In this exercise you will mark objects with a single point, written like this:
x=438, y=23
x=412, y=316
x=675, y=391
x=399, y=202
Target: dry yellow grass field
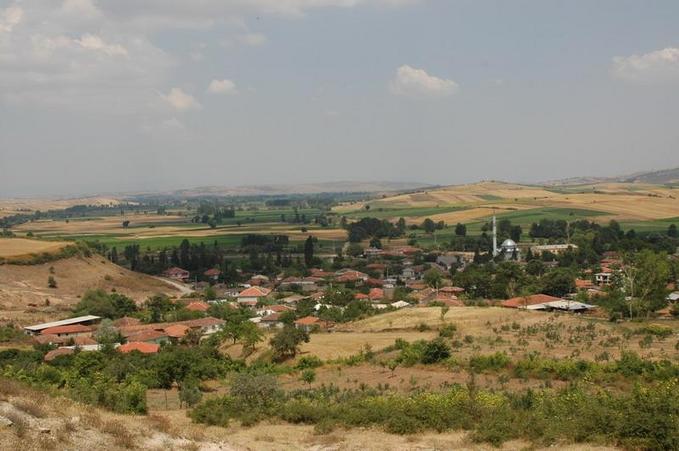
x=24, y=291
x=21, y=247
x=621, y=201
x=17, y=206
x=145, y=226
x=328, y=346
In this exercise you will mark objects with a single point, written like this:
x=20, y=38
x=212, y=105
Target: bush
x=447, y=330
x=310, y=361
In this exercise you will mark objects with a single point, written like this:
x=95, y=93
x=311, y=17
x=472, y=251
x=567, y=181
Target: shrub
x=447, y=330
x=308, y=361
x=435, y=351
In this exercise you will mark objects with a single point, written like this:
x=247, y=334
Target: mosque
x=509, y=249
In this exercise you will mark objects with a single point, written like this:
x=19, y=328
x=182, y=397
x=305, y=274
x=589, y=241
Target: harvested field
x=20, y=247
x=21, y=206
x=337, y=345
x=614, y=201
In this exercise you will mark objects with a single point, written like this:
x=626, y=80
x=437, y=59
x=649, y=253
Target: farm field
x=647, y=207
x=158, y=231
x=18, y=206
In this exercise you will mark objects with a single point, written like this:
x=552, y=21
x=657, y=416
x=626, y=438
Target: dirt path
x=183, y=289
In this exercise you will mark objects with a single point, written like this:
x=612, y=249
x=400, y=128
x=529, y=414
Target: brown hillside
x=24, y=291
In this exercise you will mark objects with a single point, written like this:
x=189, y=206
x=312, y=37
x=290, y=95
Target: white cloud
x=93, y=42
x=222, y=87
x=180, y=100
x=9, y=18
x=412, y=82
x=654, y=67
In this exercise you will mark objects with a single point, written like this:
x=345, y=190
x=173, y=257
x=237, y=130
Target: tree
x=51, y=282
x=460, y=229
x=429, y=226
x=376, y=243
x=159, y=305
x=210, y=294
x=558, y=282
x=309, y=251
x=672, y=231
x=285, y=344
x=250, y=335
x=189, y=392
x=433, y=278
x=107, y=335
x=645, y=279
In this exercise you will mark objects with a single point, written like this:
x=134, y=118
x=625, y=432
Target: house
x=271, y=321
x=293, y=299
x=84, y=340
x=525, y=301
x=212, y=274
x=86, y=320
x=305, y=284
x=400, y=304
x=603, y=278
x=361, y=297
x=197, y=306
x=555, y=249
x=350, y=275
x=253, y=294
x=562, y=305
x=376, y=294
x=451, y=259
x=176, y=273
x=258, y=280
x=310, y=323
x=317, y=272
x=373, y=252
x=269, y=309
x=673, y=297
x=69, y=331
x=144, y=348
x=207, y=325
x=176, y=331
x=148, y=336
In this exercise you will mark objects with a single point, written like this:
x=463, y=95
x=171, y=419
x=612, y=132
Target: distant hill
x=659, y=177
x=288, y=189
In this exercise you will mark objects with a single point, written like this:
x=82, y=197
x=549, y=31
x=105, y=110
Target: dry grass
x=21, y=206
x=620, y=201
x=23, y=285
x=328, y=346
x=21, y=247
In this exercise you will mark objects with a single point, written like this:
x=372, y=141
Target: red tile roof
x=70, y=329
x=146, y=335
x=307, y=321
x=84, y=341
x=176, y=330
x=361, y=296
x=254, y=292
x=144, y=348
x=212, y=272
x=198, y=306
x=376, y=293
x=126, y=321
x=533, y=299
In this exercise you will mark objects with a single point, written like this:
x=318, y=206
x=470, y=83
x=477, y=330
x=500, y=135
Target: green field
x=395, y=213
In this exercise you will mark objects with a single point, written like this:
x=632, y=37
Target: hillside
x=468, y=203
x=24, y=291
x=659, y=177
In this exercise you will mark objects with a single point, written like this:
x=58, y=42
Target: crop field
x=640, y=206
x=20, y=247
x=158, y=231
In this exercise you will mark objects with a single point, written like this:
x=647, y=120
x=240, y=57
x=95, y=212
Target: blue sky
x=101, y=96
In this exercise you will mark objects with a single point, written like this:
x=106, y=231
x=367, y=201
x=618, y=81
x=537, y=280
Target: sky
x=100, y=96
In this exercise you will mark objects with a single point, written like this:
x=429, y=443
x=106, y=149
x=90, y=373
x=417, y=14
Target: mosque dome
x=508, y=244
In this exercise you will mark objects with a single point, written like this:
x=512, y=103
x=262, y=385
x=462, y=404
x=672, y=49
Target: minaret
x=494, y=238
